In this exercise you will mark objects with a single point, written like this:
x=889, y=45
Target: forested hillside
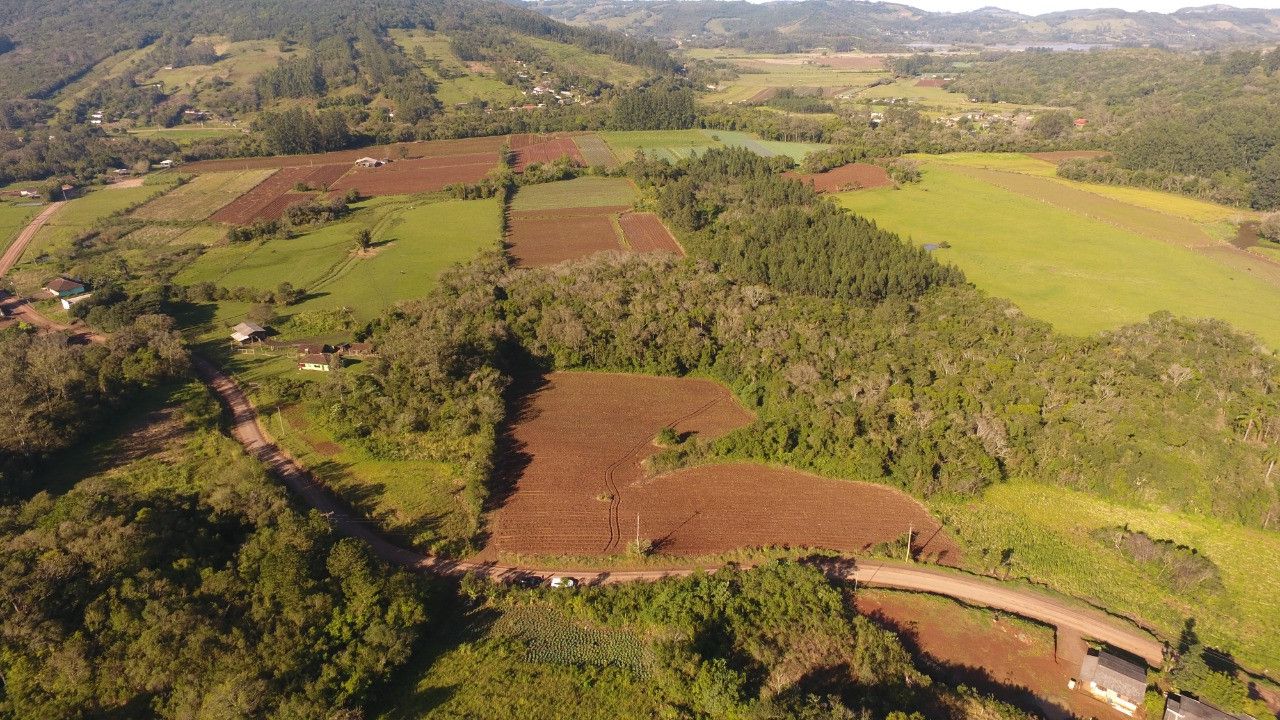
x=1206, y=125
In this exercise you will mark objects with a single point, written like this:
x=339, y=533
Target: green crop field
x=202, y=196
x=581, y=192
x=80, y=214
x=1057, y=548
x=672, y=145
x=1082, y=272
x=187, y=134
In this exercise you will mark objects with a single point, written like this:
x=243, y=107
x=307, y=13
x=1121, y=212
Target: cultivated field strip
x=854, y=176
x=202, y=196
x=644, y=232
x=548, y=151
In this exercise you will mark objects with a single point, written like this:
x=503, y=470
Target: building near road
x=247, y=332
x=321, y=362
x=61, y=287
x=70, y=302
x=1114, y=680
x=1181, y=707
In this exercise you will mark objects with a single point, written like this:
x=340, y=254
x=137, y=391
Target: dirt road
x=247, y=430
x=14, y=253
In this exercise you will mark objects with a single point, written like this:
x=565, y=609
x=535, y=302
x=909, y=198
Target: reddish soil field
x=547, y=237
x=397, y=151
x=854, y=176
x=1060, y=155
x=931, y=82
x=418, y=175
x=1019, y=663
x=259, y=202
x=763, y=96
x=576, y=480
x=646, y=233
x=275, y=209
x=546, y=151
x=325, y=175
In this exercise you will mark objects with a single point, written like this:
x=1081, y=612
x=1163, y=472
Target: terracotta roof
x=61, y=285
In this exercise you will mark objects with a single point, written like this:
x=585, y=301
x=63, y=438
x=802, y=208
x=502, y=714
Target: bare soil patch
x=931, y=82
x=1021, y=663
x=267, y=200
x=644, y=232
x=547, y=151
x=576, y=480
x=1058, y=156
x=430, y=174
x=854, y=176
x=763, y=95
x=547, y=237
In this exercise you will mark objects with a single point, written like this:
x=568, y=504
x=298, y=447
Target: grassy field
x=1056, y=548
x=412, y=243
x=1080, y=271
x=588, y=63
x=80, y=214
x=186, y=134
x=673, y=145
x=238, y=62
x=202, y=196
x=14, y=217
x=456, y=84
x=580, y=192
x=775, y=71
x=116, y=66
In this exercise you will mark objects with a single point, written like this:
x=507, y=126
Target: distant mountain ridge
x=884, y=25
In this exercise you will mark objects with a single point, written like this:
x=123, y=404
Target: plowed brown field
x=646, y=233
x=547, y=151
x=576, y=480
x=403, y=177
x=854, y=176
x=547, y=237
x=931, y=82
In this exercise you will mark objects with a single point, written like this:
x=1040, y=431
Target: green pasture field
x=186, y=134
x=14, y=217
x=1081, y=273
x=116, y=66
x=580, y=192
x=931, y=97
x=1055, y=548
x=203, y=196
x=412, y=243
x=453, y=91
x=587, y=62
x=762, y=74
x=239, y=63
x=81, y=214
x=674, y=145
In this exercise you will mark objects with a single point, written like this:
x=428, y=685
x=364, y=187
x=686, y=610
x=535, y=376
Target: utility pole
x=911, y=531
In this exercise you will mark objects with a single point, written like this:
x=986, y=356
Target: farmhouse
x=1114, y=680
x=1181, y=707
x=322, y=362
x=61, y=287
x=247, y=332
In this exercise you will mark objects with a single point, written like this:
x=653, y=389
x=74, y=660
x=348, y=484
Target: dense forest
x=1206, y=125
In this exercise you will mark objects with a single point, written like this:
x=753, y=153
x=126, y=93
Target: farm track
x=13, y=253
x=247, y=430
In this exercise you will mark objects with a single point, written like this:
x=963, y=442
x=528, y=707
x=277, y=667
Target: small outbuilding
x=61, y=287
x=368, y=162
x=1120, y=683
x=321, y=362
x=247, y=332
x=1182, y=707
x=70, y=302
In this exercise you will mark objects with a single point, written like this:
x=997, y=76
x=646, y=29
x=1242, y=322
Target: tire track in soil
x=611, y=485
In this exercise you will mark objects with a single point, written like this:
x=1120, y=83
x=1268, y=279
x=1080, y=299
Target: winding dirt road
x=14, y=253
x=247, y=430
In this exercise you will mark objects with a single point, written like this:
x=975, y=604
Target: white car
x=563, y=582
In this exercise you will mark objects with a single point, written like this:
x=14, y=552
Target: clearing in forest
x=574, y=480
